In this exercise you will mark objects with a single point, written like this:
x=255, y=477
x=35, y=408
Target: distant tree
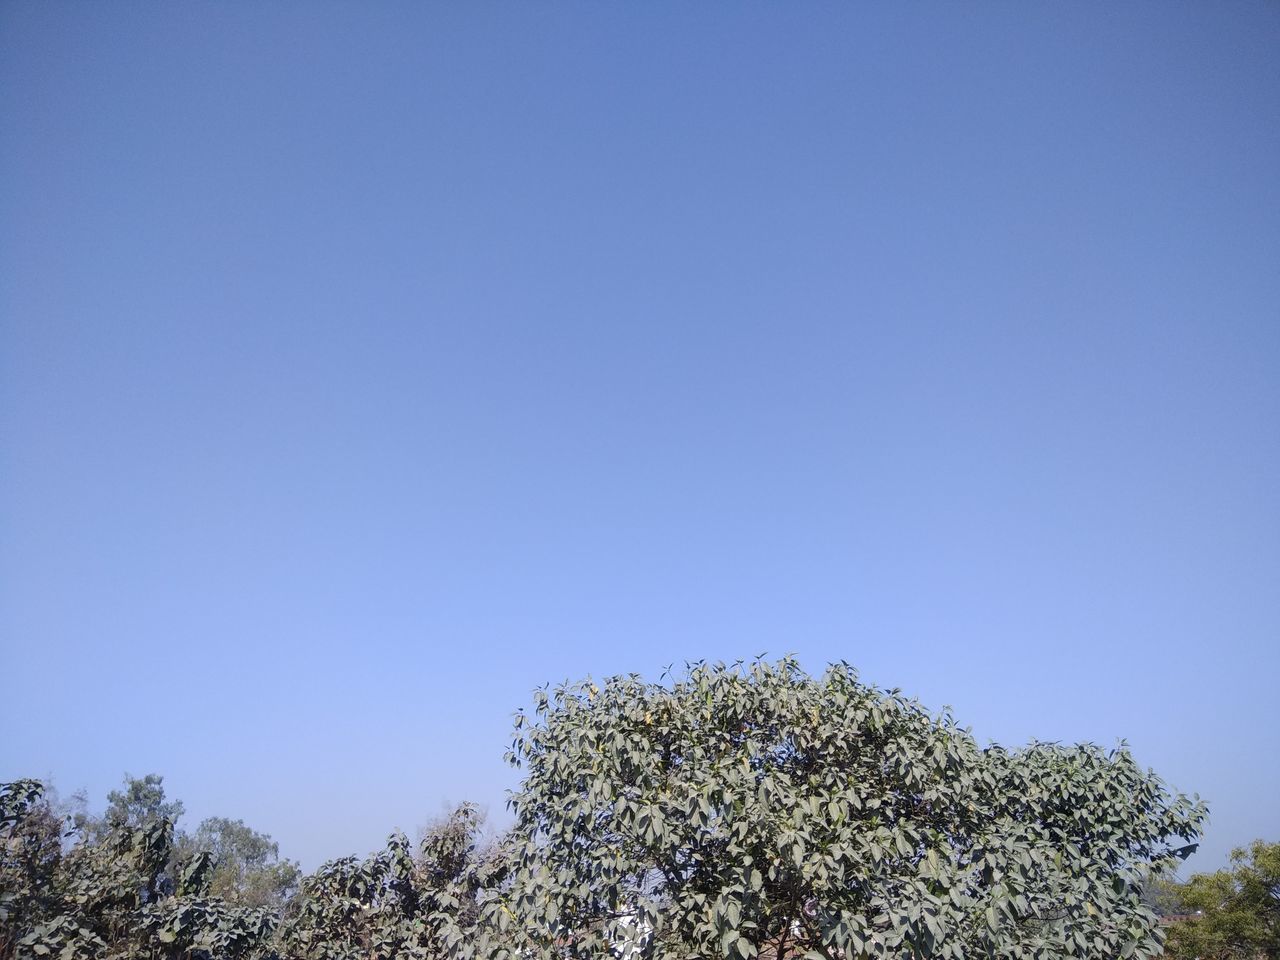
x=141, y=801
x=1239, y=909
x=30, y=851
x=749, y=810
x=246, y=865
x=1163, y=895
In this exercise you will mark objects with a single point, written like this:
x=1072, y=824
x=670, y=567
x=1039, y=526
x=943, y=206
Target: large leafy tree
x=1238, y=909
x=746, y=810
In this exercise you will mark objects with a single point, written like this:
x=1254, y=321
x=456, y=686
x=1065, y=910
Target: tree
x=246, y=865
x=1239, y=909
x=749, y=810
x=30, y=850
x=117, y=891
x=141, y=802
x=395, y=904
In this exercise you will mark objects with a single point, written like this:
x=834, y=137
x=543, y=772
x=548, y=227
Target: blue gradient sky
x=364, y=366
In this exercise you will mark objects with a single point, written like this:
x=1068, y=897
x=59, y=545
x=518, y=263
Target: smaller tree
x=118, y=891
x=246, y=865
x=30, y=850
x=1239, y=909
x=395, y=903
x=140, y=803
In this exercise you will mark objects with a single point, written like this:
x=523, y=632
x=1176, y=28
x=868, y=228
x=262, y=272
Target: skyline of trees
x=731, y=811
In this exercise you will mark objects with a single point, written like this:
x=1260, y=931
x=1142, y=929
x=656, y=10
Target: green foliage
x=742, y=808
x=734, y=812
x=1239, y=909
x=246, y=868
x=30, y=848
x=395, y=904
x=110, y=893
x=141, y=802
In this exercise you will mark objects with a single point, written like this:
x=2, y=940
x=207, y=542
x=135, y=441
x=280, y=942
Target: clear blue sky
x=363, y=366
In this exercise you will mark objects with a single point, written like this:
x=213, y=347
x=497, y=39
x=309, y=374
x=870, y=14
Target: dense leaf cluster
x=396, y=903
x=737, y=811
x=1231, y=914
x=742, y=810
x=114, y=894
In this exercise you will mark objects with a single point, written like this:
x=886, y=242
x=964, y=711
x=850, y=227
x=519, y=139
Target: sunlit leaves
x=733, y=812
x=749, y=805
x=1234, y=912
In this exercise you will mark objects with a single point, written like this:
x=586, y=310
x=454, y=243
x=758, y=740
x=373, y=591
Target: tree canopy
x=246, y=865
x=123, y=889
x=736, y=811
x=398, y=903
x=1237, y=910
x=117, y=891
x=741, y=810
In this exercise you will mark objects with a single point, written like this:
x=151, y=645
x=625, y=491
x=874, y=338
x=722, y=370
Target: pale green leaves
x=739, y=806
